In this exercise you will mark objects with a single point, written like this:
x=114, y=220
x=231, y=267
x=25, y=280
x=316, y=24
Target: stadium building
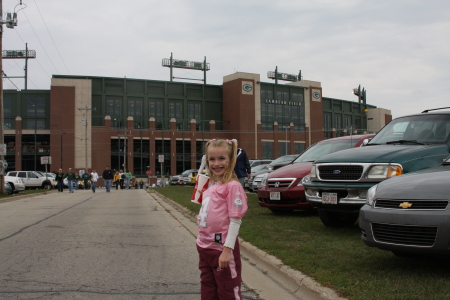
x=87, y=122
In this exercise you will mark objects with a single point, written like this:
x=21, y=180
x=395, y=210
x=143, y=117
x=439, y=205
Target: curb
x=298, y=283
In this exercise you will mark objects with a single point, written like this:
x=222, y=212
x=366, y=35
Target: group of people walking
x=122, y=179
x=73, y=180
x=119, y=179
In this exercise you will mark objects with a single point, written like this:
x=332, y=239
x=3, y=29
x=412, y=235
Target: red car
x=282, y=190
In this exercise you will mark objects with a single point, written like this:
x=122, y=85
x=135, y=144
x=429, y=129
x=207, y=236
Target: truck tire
x=336, y=219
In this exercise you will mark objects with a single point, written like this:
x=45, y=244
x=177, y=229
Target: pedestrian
x=128, y=177
x=107, y=177
x=86, y=178
x=70, y=179
x=141, y=184
x=223, y=206
x=77, y=181
x=60, y=180
x=117, y=179
x=242, y=168
x=94, y=178
x=122, y=179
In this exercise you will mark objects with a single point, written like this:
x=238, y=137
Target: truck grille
x=404, y=235
x=413, y=204
x=340, y=172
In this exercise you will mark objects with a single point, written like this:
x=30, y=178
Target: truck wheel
x=47, y=186
x=336, y=219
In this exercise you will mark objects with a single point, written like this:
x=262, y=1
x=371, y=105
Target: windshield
x=426, y=129
x=282, y=159
x=257, y=168
x=187, y=172
x=326, y=147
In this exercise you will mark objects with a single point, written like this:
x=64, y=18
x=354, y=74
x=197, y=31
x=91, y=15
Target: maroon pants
x=220, y=284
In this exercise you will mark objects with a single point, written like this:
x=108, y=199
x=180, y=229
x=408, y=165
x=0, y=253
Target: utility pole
x=125, y=140
x=10, y=23
x=84, y=122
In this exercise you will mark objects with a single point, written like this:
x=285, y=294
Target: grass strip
x=335, y=257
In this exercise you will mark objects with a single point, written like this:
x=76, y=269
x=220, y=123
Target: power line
x=57, y=50
x=43, y=48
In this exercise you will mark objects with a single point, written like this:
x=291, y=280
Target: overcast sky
x=398, y=50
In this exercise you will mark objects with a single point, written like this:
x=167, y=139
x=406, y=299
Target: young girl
x=223, y=206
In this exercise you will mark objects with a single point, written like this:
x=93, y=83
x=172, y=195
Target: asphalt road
x=127, y=244
x=118, y=245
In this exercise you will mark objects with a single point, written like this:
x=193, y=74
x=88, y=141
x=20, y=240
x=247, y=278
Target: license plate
x=275, y=196
x=329, y=198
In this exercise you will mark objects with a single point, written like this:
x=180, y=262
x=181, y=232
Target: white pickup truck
x=33, y=179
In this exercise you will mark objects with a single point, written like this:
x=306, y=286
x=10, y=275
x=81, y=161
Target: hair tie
x=228, y=141
x=210, y=141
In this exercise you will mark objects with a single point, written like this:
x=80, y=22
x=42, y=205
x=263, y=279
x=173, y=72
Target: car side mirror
x=365, y=142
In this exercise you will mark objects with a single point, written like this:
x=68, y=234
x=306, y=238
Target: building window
x=36, y=113
x=267, y=150
x=176, y=111
x=156, y=111
x=135, y=109
x=283, y=148
x=195, y=112
x=284, y=108
x=327, y=126
x=114, y=110
x=299, y=147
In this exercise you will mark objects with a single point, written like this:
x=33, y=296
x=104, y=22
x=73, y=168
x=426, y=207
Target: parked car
x=16, y=183
x=182, y=179
x=257, y=162
x=281, y=161
x=48, y=174
x=340, y=180
x=253, y=171
x=193, y=178
x=32, y=179
x=282, y=190
x=409, y=214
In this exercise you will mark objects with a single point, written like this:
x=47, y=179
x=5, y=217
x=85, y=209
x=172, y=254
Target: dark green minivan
x=339, y=181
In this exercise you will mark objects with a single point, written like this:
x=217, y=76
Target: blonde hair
x=231, y=148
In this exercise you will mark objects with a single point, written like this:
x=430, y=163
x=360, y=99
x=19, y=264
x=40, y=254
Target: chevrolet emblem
x=405, y=205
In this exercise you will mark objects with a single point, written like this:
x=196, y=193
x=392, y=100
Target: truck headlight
x=312, y=174
x=384, y=171
x=371, y=195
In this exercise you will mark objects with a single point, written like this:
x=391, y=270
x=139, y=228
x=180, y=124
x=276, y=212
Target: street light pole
x=35, y=139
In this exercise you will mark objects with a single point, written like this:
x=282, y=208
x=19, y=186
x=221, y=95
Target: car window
x=22, y=174
x=12, y=173
x=32, y=175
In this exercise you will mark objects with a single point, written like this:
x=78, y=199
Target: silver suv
x=33, y=179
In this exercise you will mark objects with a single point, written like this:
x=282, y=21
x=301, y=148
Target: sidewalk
x=263, y=273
